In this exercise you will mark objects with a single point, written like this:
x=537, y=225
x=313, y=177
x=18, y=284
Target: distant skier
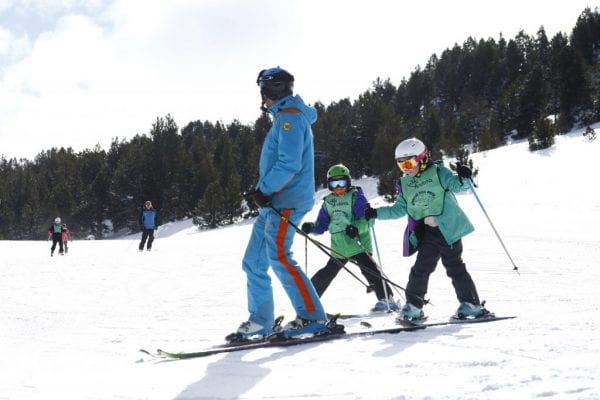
x=342, y=214
x=436, y=225
x=148, y=220
x=55, y=233
x=66, y=237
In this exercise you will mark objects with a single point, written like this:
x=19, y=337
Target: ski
x=372, y=314
x=277, y=342
x=454, y=321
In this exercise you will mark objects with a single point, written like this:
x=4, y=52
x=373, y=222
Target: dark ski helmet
x=275, y=83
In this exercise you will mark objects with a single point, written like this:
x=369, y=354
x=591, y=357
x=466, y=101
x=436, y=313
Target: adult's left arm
x=291, y=131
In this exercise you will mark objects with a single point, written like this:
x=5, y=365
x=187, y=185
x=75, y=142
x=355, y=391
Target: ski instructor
x=284, y=192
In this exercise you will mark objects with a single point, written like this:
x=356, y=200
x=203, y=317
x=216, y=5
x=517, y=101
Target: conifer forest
x=471, y=97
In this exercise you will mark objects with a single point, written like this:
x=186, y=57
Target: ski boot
x=382, y=305
x=301, y=326
x=410, y=313
x=250, y=331
x=471, y=311
x=333, y=326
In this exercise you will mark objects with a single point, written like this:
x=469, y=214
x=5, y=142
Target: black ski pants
x=147, y=234
x=322, y=279
x=432, y=247
x=57, y=238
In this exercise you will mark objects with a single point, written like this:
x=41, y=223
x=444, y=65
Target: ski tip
x=149, y=353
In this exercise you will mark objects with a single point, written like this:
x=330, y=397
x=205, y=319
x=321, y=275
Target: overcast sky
x=81, y=72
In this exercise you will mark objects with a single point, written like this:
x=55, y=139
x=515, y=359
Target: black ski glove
x=352, y=231
x=370, y=213
x=463, y=171
x=307, y=227
x=259, y=198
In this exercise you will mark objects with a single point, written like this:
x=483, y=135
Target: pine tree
x=585, y=37
x=543, y=135
x=208, y=214
x=387, y=185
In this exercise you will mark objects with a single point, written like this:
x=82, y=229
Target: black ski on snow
x=277, y=342
x=372, y=314
x=453, y=321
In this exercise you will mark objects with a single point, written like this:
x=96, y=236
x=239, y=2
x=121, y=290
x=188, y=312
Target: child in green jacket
x=342, y=214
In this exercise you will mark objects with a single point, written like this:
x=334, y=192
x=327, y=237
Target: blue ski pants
x=270, y=245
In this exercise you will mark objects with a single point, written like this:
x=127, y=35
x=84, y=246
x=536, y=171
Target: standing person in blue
x=343, y=215
x=436, y=225
x=284, y=193
x=148, y=220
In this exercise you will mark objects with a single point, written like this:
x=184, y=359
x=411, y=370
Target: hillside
x=72, y=325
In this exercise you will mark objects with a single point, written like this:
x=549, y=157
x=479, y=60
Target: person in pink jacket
x=66, y=237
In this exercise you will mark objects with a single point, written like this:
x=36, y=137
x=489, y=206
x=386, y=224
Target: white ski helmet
x=412, y=147
x=57, y=220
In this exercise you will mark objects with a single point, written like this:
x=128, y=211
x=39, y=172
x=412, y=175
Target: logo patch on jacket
x=287, y=126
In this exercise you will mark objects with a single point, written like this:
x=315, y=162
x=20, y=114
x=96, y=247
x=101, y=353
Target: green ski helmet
x=337, y=173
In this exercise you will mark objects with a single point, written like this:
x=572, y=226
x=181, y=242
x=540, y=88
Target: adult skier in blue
x=284, y=193
x=148, y=223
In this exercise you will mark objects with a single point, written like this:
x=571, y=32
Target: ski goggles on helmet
x=407, y=163
x=337, y=183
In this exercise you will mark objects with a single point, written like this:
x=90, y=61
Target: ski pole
x=492, y=225
x=306, y=256
x=154, y=240
x=383, y=283
x=384, y=278
x=320, y=247
x=324, y=249
x=372, y=223
x=132, y=241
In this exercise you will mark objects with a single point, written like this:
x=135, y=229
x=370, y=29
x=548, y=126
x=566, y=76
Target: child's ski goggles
x=337, y=183
x=405, y=164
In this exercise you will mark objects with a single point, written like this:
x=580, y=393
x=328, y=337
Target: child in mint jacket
x=436, y=224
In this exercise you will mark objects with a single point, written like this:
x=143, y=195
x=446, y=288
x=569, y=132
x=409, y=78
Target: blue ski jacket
x=148, y=219
x=286, y=166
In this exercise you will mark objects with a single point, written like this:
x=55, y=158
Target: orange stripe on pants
x=281, y=257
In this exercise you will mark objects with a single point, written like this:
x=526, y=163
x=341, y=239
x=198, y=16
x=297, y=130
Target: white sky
x=78, y=73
